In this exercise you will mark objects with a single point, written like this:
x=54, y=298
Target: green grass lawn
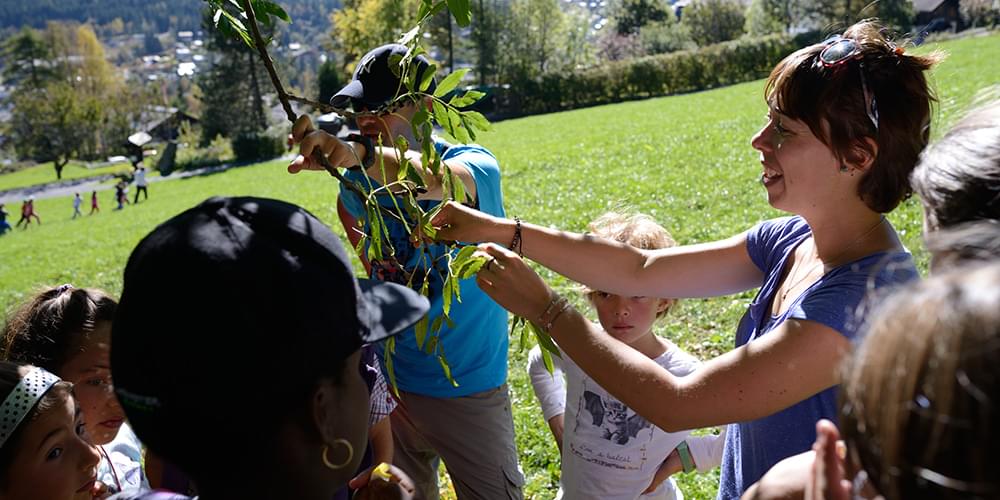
x=686, y=160
x=44, y=173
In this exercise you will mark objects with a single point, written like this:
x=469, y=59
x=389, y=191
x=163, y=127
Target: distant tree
x=714, y=21
x=770, y=16
x=27, y=55
x=835, y=14
x=362, y=25
x=666, y=36
x=487, y=17
x=51, y=124
x=629, y=16
x=151, y=44
x=116, y=26
x=231, y=104
x=540, y=36
x=329, y=80
x=979, y=12
x=77, y=111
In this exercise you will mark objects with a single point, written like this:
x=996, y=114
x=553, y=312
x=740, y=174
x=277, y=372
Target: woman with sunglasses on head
x=847, y=119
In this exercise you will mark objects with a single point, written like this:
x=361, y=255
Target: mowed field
x=686, y=160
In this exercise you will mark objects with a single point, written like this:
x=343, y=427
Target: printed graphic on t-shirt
x=602, y=417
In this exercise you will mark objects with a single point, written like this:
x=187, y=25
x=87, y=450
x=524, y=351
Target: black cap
x=241, y=303
x=373, y=83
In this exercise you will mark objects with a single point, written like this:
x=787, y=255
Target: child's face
x=627, y=318
x=54, y=460
x=90, y=373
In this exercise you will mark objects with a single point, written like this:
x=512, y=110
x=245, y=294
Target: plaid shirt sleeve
x=381, y=402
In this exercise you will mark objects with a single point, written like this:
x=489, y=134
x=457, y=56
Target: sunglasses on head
x=838, y=52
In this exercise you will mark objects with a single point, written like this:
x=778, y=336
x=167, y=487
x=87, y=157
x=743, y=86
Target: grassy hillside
x=686, y=160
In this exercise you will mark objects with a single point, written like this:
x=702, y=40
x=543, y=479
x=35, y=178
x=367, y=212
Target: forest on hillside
x=139, y=16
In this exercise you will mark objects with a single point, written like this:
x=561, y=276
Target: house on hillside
x=162, y=122
x=937, y=15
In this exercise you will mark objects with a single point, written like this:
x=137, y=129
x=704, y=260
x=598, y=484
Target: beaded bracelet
x=515, y=244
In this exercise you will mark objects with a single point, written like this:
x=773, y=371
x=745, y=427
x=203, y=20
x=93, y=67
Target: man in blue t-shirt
x=468, y=425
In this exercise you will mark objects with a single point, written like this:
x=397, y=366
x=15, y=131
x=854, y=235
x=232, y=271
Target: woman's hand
x=508, y=280
x=457, y=222
x=383, y=482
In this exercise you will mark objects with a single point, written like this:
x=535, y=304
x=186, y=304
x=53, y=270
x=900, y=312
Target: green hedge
x=677, y=72
x=257, y=146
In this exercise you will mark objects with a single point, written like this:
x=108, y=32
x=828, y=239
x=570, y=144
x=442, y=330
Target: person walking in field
x=27, y=212
x=140, y=184
x=93, y=203
x=77, y=201
x=4, y=225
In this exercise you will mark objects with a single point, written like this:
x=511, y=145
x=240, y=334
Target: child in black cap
x=253, y=386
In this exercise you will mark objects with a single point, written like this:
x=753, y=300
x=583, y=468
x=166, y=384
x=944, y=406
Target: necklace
x=835, y=259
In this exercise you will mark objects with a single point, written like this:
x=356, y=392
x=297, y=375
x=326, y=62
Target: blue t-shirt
x=755, y=446
x=476, y=345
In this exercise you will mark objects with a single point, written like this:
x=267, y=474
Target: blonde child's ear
x=664, y=306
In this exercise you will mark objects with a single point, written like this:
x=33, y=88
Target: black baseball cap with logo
x=373, y=83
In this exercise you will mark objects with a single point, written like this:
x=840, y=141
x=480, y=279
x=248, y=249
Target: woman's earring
x=844, y=168
x=347, y=461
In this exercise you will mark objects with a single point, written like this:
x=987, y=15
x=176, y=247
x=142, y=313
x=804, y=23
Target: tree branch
x=317, y=155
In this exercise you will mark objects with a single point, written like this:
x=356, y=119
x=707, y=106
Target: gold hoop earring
x=350, y=454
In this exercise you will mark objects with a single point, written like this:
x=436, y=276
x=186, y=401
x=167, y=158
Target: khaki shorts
x=473, y=435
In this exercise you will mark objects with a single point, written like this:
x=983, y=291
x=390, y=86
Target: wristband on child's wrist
x=687, y=463
x=365, y=141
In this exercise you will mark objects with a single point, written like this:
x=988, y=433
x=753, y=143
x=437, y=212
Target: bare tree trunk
x=258, y=101
x=59, y=163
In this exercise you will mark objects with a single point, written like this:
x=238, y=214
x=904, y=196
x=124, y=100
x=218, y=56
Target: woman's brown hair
x=920, y=400
x=832, y=102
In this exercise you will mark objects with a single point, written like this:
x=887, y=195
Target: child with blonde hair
x=609, y=451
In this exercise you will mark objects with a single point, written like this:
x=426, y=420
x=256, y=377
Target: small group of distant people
x=242, y=359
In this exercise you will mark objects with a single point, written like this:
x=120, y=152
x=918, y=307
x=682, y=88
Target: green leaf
x=472, y=267
x=395, y=64
x=547, y=359
x=420, y=331
x=458, y=188
x=446, y=294
x=441, y=115
x=447, y=369
x=216, y=17
x=450, y=82
x=431, y=345
x=419, y=118
x=409, y=35
x=436, y=324
x=459, y=132
x=425, y=81
x=430, y=9
x=477, y=120
x=469, y=98
x=461, y=257
x=460, y=9
x=523, y=341
x=390, y=348
x=544, y=340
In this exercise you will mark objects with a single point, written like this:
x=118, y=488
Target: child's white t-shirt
x=609, y=452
